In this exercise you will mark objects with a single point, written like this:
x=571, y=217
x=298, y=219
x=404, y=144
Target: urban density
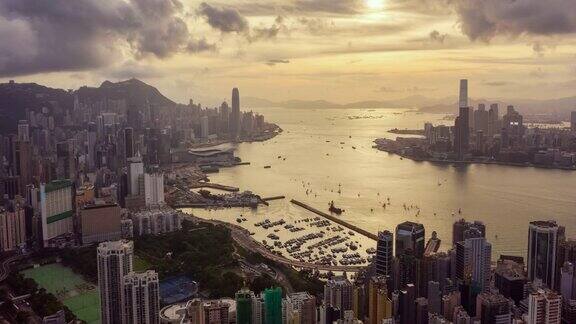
x=340, y=162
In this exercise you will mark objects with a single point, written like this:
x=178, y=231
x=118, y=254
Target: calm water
x=505, y=198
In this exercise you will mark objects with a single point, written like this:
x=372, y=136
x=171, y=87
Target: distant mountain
x=17, y=98
x=134, y=91
x=559, y=107
x=408, y=102
x=449, y=105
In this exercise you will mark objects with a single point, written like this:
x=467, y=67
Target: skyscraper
x=129, y=142
x=114, y=262
x=244, y=306
x=573, y=121
x=141, y=300
x=338, y=293
x=383, y=258
x=462, y=132
x=273, y=305
x=544, y=307
x=463, y=101
x=135, y=171
x=462, y=230
x=473, y=259
x=56, y=209
x=493, y=122
x=304, y=305
x=91, y=148
x=542, y=249
x=235, y=116
x=410, y=235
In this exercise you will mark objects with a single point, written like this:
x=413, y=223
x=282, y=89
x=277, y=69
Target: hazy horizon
x=336, y=50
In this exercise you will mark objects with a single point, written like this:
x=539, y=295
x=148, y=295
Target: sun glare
x=375, y=4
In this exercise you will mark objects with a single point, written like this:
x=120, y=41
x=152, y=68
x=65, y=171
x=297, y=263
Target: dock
x=213, y=186
x=335, y=219
x=273, y=198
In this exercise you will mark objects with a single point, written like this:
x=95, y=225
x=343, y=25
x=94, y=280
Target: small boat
x=334, y=209
x=267, y=167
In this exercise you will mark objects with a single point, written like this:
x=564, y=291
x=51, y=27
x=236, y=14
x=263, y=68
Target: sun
x=374, y=4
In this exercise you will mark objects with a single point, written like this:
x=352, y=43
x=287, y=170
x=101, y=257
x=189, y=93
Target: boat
x=334, y=209
x=353, y=147
x=267, y=167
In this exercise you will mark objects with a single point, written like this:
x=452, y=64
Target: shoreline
x=459, y=162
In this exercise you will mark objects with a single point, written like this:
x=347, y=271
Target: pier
x=273, y=198
x=213, y=186
x=335, y=219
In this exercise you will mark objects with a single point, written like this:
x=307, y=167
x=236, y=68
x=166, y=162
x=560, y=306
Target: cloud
x=132, y=69
x=227, y=20
x=62, y=35
x=200, y=45
x=330, y=6
x=274, y=62
x=482, y=20
x=436, y=36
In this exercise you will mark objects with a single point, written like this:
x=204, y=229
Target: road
x=5, y=266
x=243, y=238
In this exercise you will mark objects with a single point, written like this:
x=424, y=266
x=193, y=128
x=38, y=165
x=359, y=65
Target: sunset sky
x=337, y=50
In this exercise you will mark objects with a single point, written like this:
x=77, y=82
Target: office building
x=432, y=245
x=573, y=121
x=100, y=223
x=461, y=230
x=542, y=251
x=407, y=305
x=338, y=293
x=493, y=309
x=204, y=127
x=129, y=142
x=463, y=96
x=154, y=189
x=544, y=306
x=384, y=252
x=421, y=310
x=114, y=263
x=57, y=210
x=303, y=305
x=235, y=116
x=91, y=147
x=12, y=227
x=244, y=298
x=510, y=279
x=473, y=258
x=410, y=236
x=135, y=171
x=272, y=305
x=141, y=299
x=379, y=305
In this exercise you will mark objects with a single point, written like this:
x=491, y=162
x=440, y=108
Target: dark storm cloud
x=484, y=19
x=59, y=35
x=227, y=20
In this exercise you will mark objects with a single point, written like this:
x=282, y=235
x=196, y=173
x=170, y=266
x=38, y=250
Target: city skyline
x=343, y=50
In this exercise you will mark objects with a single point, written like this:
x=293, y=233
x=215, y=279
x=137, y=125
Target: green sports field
x=80, y=296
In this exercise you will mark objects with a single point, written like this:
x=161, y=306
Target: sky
x=337, y=50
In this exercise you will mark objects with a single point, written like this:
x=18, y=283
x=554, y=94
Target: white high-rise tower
x=114, y=262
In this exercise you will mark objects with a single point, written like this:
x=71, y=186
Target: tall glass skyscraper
x=273, y=305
